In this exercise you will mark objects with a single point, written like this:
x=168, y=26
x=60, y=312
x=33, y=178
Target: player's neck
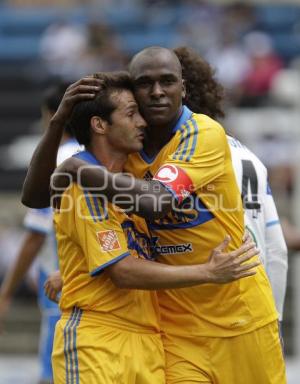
x=158, y=136
x=109, y=157
x=155, y=140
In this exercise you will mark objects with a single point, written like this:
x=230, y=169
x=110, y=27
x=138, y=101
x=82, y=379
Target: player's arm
x=222, y=267
x=276, y=253
x=133, y=273
x=35, y=193
x=173, y=182
x=30, y=247
x=148, y=199
x=98, y=231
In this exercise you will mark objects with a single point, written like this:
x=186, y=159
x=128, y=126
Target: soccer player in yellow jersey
x=211, y=334
x=101, y=249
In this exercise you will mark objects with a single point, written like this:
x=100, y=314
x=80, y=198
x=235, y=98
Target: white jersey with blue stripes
x=261, y=217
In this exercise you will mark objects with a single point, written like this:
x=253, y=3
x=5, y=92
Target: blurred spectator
x=103, y=51
x=198, y=26
x=285, y=88
x=62, y=45
x=265, y=65
x=239, y=19
x=232, y=65
x=71, y=51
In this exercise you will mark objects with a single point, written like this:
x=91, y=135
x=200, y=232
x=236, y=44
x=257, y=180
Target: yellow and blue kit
x=195, y=166
x=106, y=335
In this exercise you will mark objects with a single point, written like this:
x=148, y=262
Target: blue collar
x=88, y=157
x=185, y=115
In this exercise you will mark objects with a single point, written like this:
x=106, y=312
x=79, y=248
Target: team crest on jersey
x=108, y=240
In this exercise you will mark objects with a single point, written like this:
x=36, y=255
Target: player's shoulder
x=206, y=122
x=243, y=152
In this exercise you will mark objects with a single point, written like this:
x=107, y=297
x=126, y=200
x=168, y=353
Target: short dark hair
x=101, y=105
x=53, y=96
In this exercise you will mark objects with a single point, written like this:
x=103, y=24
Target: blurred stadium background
x=255, y=48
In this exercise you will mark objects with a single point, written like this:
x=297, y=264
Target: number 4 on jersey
x=250, y=188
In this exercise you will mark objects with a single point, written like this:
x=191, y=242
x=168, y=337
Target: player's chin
x=158, y=119
x=136, y=146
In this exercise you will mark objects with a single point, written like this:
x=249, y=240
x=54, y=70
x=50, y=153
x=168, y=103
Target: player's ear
x=98, y=125
x=183, y=89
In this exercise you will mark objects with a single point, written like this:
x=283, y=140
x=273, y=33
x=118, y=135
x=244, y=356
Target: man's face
x=126, y=131
x=158, y=89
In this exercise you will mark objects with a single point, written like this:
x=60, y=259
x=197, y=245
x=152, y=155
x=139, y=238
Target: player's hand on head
x=83, y=89
x=225, y=266
x=53, y=286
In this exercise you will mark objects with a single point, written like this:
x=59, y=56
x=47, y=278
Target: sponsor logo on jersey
x=108, y=240
x=167, y=173
x=176, y=179
x=170, y=249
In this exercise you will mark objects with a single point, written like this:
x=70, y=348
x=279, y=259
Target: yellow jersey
x=91, y=235
x=195, y=166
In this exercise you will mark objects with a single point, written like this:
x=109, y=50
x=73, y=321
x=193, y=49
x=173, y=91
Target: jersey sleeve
x=276, y=252
x=39, y=220
x=198, y=160
x=100, y=233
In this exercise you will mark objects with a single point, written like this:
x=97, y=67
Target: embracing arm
x=148, y=199
x=132, y=273
x=222, y=267
x=35, y=193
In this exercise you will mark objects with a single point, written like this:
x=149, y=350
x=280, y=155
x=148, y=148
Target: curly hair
x=203, y=93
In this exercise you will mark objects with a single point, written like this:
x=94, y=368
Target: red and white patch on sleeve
x=176, y=179
x=108, y=240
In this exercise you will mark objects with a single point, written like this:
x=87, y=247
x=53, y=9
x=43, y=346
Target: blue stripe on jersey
x=100, y=269
x=72, y=349
x=187, y=141
x=89, y=204
x=103, y=214
x=182, y=140
x=185, y=115
x=195, y=136
x=66, y=343
x=75, y=346
x=271, y=223
x=147, y=159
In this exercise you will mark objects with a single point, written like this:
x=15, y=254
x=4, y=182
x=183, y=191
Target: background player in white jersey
x=205, y=95
x=39, y=235
x=261, y=217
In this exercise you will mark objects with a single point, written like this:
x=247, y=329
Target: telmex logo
x=167, y=173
